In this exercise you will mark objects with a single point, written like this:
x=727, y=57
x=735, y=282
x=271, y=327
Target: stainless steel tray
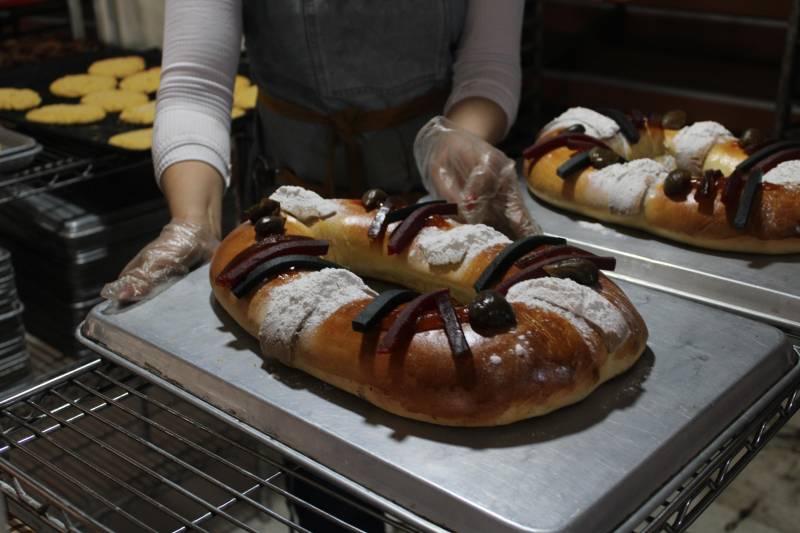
x=585, y=467
x=759, y=286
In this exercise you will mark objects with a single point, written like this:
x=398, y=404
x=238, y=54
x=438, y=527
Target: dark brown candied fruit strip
x=731, y=194
x=402, y=329
x=452, y=326
x=708, y=185
x=626, y=126
x=503, y=261
x=733, y=187
x=550, y=252
x=410, y=227
x=571, y=140
x=576, y=163
x=536, y=270
x=251, y=256
x=382, y=305
x=638, y=119
x=278, y=265
x=747, y=198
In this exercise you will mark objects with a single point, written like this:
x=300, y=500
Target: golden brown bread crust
x=424, y=381
x=772, y=228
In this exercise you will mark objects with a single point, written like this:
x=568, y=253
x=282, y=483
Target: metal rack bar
x=94, y=398
x=783, y=104
x=675, y=509
x=224, y=461
x=55, y=168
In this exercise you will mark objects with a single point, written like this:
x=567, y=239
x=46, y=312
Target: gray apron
x=329, y=56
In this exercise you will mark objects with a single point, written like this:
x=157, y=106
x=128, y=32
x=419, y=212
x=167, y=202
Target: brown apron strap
x=348, y=123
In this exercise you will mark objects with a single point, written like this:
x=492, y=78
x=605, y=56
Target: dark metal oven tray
x=584, y=467
x=763, y=287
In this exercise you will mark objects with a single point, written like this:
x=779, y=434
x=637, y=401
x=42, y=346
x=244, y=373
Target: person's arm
x=191, y=135
x=191, y=141
x=487, y=75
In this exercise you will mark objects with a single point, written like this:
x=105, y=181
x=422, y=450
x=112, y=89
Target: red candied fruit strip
x=408, y=229
x=553, y=251
x=536, y=270
x=452, y=326
x=403, y=327
x=537, y=151
x=251, y=257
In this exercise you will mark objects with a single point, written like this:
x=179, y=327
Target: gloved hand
x=462, y=168
x=180, y=246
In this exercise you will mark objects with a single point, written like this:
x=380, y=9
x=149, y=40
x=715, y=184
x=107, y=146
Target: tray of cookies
x=583, y=467
x=104, y=98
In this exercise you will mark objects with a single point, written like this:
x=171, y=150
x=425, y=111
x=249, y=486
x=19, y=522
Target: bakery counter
x=762, y=287
x=709, y=392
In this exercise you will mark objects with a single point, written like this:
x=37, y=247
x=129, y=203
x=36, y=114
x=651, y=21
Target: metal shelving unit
x=99, y=448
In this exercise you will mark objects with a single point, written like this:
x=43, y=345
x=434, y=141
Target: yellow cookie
x=246, y=98
x=18, y=99
x=242, y=82
x=118, y=67
x=115, y=100
x=237, y=112
x=133, y=140
x=66, y=114
x=144, y=82
x=139, y=114
x=76, y=85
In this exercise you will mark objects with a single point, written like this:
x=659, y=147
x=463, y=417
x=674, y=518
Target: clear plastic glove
x=180, y=246
x=464, y=169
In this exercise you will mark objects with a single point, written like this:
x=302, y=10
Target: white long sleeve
x=202, y=40
x=487, y=60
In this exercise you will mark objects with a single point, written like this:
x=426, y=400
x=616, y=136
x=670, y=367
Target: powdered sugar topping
x=622, y=186
x=495, y=359
x=596, y=124
x=692, y=143
x=579, y=300
x=453, y=246
x=303, y=204
x=787, y=174
x=302, y=304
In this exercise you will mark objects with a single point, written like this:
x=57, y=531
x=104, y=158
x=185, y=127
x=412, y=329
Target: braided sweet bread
x=498, y=332
x=695, y=184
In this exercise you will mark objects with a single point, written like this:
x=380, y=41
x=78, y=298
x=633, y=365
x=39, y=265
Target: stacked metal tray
x=14, y=360
x=16, y=150
x=68, y=243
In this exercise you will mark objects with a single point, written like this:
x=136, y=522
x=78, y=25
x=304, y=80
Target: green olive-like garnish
x=373, y=198
x=601, y=157
x=264, y=208
x=577, y=269
x=674, y=120
x=269, y=225
x=490, y=311
x=677, y=184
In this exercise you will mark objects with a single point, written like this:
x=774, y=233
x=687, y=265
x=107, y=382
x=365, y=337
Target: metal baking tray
x=763, y=287
x=585, y=467
x=16, y=150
